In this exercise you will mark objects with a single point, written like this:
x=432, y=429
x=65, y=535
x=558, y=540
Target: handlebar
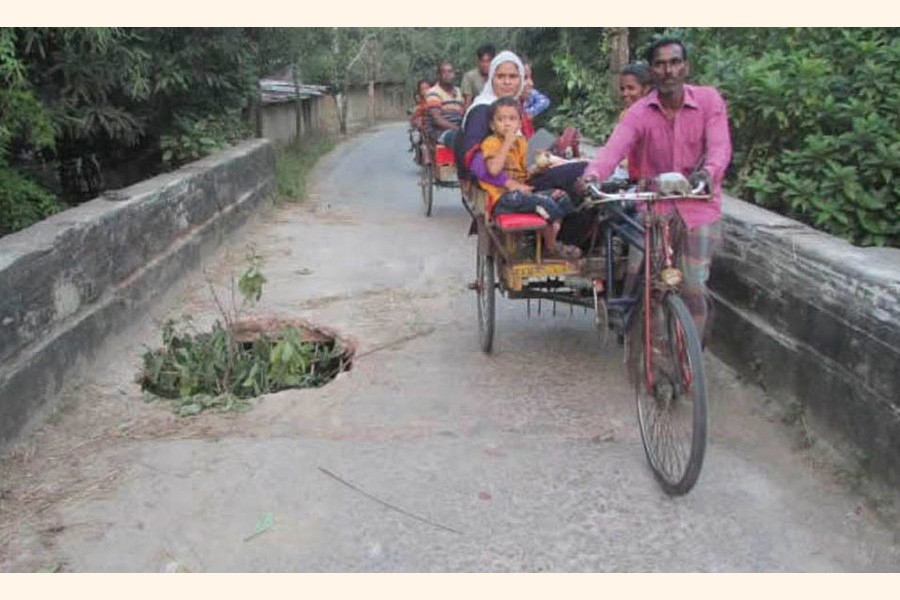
x=622, y=192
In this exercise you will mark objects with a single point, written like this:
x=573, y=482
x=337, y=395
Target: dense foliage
x=23, y=202
x=816, y=123
x=85, y=109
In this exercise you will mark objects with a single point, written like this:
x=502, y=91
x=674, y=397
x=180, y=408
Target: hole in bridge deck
x=224, y=367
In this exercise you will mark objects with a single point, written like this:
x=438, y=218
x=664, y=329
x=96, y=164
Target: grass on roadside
x=293, y=164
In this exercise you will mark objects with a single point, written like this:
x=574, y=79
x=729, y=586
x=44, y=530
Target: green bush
x=194, y=138
x=815, y=123
x=23, y=202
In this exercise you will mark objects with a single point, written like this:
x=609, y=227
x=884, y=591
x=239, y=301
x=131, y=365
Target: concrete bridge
x=527, y=460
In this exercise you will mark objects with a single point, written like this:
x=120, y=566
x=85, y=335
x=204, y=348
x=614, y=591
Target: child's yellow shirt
x=514, y=167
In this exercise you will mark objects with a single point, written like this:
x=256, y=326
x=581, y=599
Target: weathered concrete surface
x=69, y=282
x=531, y=454
x=814, y=320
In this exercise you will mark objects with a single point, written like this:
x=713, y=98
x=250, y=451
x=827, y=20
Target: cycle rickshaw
x=662, y=346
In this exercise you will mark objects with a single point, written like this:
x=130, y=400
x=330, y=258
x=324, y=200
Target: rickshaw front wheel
x=672, y=411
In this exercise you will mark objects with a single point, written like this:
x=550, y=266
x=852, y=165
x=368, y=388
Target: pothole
x=223, y=368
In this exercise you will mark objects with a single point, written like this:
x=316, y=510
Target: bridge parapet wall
x=813, y=320
x=69, y=282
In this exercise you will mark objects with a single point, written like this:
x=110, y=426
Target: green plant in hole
x=213, y=369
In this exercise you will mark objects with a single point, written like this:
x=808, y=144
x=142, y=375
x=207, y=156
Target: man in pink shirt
x=683, y=128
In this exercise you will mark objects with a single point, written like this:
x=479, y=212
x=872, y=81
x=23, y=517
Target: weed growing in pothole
x=223, y=368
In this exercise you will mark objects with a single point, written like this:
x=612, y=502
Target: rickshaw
x=661, y=344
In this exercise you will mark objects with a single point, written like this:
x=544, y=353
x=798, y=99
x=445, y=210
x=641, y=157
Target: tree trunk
x=618, y=57
x=298, y=106
x=340, y=102
x=371, y=110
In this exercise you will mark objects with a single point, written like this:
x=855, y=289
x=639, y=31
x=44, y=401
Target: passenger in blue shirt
x=533, y=102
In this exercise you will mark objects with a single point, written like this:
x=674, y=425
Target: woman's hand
x=580, y=185
x=517, y=186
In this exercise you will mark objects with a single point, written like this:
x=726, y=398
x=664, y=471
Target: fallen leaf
x=262, y=525
x=51, y=568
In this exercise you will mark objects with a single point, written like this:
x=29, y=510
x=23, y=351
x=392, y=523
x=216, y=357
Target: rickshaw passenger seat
x=443, y=155
x=520, y=222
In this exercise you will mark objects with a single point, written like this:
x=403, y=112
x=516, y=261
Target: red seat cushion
x=443, y=155
x=520, y=221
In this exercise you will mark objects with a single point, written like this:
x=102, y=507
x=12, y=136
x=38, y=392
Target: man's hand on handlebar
x=700, y=182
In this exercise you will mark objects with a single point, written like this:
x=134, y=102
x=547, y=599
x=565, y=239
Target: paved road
x=526, y=460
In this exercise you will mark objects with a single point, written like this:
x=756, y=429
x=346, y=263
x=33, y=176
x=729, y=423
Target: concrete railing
x=813, y=320
x=70, y=281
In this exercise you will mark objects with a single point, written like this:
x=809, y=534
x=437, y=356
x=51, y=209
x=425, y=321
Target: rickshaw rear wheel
x=673, y=414
x=486, y=290
x=426, y=181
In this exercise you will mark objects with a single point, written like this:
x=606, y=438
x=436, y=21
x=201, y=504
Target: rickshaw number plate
x=534, y=270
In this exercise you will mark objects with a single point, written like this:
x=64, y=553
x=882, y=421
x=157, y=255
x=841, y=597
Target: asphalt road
x=427, y=455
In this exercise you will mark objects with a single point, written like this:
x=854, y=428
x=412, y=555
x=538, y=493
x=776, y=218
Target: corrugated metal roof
x=272, y=90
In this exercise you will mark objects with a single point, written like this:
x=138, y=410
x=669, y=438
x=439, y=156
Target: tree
x=26, y=130
x=85, y=79
x=203, y=82
x=618, y=57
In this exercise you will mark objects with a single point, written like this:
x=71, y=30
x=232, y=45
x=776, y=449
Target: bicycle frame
x=639, y=234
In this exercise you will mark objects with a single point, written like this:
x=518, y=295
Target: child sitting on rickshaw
x=504, y=151
x=417, y=120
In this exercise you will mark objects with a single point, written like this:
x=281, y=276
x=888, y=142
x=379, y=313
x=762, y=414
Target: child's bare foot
x=563, y=251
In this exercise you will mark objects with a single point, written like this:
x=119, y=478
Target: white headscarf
x=487, y=95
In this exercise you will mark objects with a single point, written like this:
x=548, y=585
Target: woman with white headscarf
x=506, y=77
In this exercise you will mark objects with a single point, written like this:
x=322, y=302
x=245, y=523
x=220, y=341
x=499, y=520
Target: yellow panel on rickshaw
x=445, y=173
x=546, y=269
x=516, y=274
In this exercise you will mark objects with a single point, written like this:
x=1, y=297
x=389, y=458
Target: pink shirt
x=654, y=144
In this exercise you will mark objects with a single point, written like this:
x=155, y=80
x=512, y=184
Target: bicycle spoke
x=668, y=447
